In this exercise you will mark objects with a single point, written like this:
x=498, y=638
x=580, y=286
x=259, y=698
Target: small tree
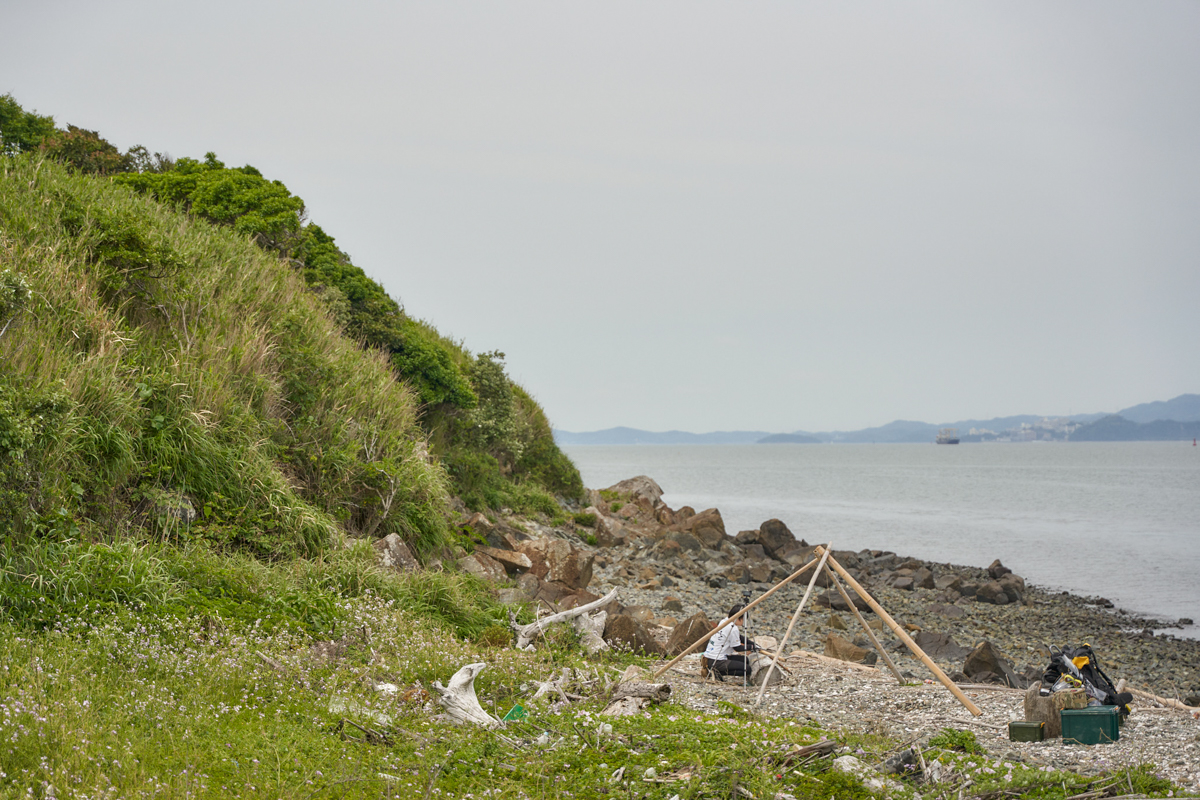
x=494, y=421
x=86, y=151
x=21, y=130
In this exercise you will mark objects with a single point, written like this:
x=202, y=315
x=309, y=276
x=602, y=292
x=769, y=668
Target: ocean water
x=1120, y=520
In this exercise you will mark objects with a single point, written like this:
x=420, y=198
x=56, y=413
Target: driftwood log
x=527, y=633
x=459, y=700
x=591, y=628
x=631, y=697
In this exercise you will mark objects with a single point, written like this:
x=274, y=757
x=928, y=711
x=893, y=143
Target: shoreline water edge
x=671, y=564
x=676, y=572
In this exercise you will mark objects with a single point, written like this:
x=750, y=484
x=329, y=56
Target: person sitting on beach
x=723, y=655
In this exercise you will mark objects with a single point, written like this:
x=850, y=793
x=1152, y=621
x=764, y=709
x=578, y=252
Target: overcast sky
x=708, y=216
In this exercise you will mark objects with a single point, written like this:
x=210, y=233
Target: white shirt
x=723, y=643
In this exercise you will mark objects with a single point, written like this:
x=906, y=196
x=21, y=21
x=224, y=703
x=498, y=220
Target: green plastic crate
x=1026, y=731
x=1091, y=725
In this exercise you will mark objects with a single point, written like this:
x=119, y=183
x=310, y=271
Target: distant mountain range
x=1167, y=420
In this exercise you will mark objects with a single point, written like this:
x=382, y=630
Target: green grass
x=161, y=356
x=186, y=672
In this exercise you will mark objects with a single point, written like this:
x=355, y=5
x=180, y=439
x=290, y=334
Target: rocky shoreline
x=672, y=564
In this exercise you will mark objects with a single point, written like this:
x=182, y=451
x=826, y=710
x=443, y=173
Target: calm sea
x=1121, y=520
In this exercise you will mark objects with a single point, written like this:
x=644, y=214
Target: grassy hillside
x=489, y=434
x=161, y=362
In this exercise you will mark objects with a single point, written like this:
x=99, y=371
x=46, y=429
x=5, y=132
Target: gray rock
x=984, y=659
x=774, y=536
x=996, y=570
x=392, y=553
x=623, y=630
x=951, y=583
x=687, y=632
x=992, y=592
x=482, y=566
x=940, y=646
x=923, y=578
x=707, y=526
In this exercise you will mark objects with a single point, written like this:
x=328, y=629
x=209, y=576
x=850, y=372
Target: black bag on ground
x=1082, y=664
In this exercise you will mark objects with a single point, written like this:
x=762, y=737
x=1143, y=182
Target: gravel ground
x=1126, y=645
x=870, y=701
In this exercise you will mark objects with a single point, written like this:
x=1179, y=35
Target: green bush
x=951, y=739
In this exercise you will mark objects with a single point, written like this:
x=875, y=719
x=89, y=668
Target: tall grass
x=162, y=356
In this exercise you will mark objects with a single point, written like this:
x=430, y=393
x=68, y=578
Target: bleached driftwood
x=631, y=697
x=459, y=700
x=591, y=628
x=527, y=633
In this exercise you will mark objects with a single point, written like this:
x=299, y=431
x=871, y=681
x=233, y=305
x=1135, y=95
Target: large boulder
x=707, y=526
x=996, y=570
x=837, y=647
x=512, y=561
x=992, y=592
x=559, y=561
x=622, y=630
x=685, y=540
x=985, y=659
x=940, y=646
x=577, y=598
x=948, y=583
x=483, y=566
x=746, y=537
x=640, y=488
x=774, y=536
x=923, y=578
x=688, y=632
x=1013, y=585
x=529, y=585
x=392, y=553
x=751, y=552
x=609, y=532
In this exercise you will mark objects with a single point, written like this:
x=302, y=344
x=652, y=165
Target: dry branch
x=527, y=633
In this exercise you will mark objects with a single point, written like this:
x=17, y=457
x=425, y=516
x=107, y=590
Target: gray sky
x=701, y=215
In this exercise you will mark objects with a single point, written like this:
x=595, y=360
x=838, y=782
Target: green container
x=1091, y=725
x=1026, y=731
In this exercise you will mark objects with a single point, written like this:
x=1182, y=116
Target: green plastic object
x=1091, y=725
x=516, y=712
x=1026, y=731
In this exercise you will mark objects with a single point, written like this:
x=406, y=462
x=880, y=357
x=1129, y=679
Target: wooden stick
x=833, y=661
x=1166, y=701
x=729, y=621
x=904, y=637
x=811, y=583
x=870, y=633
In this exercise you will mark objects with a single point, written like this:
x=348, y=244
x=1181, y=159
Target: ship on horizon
x=947, y=436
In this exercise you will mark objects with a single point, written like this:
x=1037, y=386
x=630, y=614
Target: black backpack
x=1082, y=664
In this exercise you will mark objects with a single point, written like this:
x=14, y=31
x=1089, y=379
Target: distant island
x=1177, y=419
x=788, y=438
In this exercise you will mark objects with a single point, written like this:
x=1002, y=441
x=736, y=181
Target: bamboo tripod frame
x=828, y=561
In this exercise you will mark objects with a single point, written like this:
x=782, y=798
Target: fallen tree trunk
x=459, y=700
x=527, y=633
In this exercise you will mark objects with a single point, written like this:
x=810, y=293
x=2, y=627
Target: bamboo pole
x=729, y=621
x=857, y=615
x=811, y=583
x=904, y=637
